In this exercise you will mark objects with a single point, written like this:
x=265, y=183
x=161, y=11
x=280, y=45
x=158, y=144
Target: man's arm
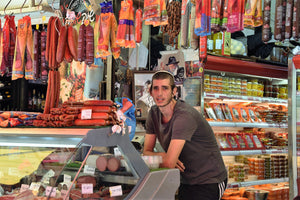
x=170, y=159
x=149, y=144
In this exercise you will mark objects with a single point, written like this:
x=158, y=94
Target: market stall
x=69, y=67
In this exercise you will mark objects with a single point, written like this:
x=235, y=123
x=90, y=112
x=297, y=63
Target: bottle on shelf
x=29, y=106
x=43, y=100
x=218, y=40
x=34, y=100
x=210, y=43
x=39, y=101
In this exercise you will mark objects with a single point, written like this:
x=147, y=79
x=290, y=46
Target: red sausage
x=91, y=122
x=89, y=45
x=81, y=43
x=73, y=42
x=98, y=103
x=61, y=46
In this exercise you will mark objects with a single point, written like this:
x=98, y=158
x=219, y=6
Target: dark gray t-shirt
x=200, y=155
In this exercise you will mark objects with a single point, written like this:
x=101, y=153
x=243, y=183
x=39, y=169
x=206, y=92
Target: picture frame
x=141, y=94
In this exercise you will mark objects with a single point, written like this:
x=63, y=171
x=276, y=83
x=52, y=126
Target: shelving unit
x=247, y=70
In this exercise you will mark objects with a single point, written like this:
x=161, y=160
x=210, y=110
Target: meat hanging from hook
x=6, y=6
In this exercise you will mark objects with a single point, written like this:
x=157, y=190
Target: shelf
x=9, y=87
x=254, y=152
x=42, y=137
x=226, y=64
x=258, y=182
x=246, y=98
x=247, y=124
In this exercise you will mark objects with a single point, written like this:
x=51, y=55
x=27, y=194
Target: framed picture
x=141, y=93
x=173, y=62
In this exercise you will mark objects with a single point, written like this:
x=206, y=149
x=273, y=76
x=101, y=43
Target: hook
x=6, y=6
x=22, y=6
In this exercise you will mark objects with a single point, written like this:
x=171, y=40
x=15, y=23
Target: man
x=173, y=68
x=188, y=141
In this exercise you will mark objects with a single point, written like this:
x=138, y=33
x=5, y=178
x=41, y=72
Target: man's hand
x=180, y=166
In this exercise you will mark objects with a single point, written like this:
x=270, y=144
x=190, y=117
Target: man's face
x=162, y=92
x=172, y=68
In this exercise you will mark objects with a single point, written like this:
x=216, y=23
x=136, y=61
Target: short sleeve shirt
x=200, y=155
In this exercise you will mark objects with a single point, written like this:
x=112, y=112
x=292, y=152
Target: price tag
x=24, y=187
x=50, y=191
x=67, y=178
x=64, y=194
x=87, y=188
x=89, y=170
x=117, y=152
x=86, y=114
x=115, y=191
x=34, y=186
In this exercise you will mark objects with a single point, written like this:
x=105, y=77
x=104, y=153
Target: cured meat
x=29, y=51
x=216, y=15
x=89, y=45
x=138, y=25
x=113, y=164
x=48, y=37
x=73, y=42
x=101, y=163
x=91, y=122
x=296, y=18
x=44, y=64
x=125, y=34
x=37, y=43
x=185, y=15
x=61, y=46
x=288, y=19
x=266, y=29
x=68, y=55
x=106, y=109
x=235, y=15
x=81, y=50
x=278, y=20
x=8, y=45
x=19, y=60
x=105, y=116
x=193, y=37
x=98, y=103
x=155, y=13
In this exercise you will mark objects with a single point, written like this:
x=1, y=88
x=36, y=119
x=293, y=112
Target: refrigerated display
x=79, y=164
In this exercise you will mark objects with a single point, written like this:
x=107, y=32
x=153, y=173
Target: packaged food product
x=222, y=141
x=218, y=111
x=249, y=140
x=210, y=112
x=226, y=112
x=257, y=142
x=243, y=114
x=241, y=140
x=231, y=140
x=235, y=113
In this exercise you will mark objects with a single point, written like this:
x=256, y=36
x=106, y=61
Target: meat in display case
x=104, y=165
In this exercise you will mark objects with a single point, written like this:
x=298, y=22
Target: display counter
x=77, y=164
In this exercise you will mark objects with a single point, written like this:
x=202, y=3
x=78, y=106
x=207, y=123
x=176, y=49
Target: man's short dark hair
x=159, y=75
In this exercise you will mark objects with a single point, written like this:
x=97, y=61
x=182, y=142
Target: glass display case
x=102, y=165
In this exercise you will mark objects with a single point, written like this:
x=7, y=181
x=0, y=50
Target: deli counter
x=45, y=163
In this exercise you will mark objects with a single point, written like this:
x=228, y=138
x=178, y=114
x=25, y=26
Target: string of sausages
x=103, y=113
